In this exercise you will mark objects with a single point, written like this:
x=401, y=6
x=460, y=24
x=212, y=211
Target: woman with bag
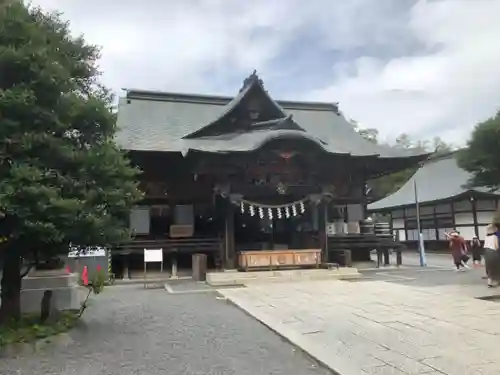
x=492, y=256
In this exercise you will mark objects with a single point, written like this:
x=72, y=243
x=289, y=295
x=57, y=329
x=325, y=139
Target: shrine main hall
x=246, y=175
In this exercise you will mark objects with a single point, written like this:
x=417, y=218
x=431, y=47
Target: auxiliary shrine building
x=225, y=176
x=446, y=203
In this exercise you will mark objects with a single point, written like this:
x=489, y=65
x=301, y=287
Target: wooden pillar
x=230, y=252
x=452, y=208
x=474, y=216
x=322, y=235
x=126, y=265
x=365, y=199
x=404, y=224
x=436, y=223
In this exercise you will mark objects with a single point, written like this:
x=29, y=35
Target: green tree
x=389, y=184
x=481, y=156
x=62, y=179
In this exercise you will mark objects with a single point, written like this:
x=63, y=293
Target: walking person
x=458, y=249
x=476, y=249
x=492, y=256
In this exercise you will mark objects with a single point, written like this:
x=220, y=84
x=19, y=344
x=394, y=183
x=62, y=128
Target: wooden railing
x=172, y=245
x=359, y=245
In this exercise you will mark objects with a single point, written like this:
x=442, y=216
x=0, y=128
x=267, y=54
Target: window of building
x=411, y=224
x=426, y=221
x=429, y=234
x=443, y=208
x=485, y=205
x=398, y=214
x=412, y=235
x=462, y=206
x=410, y=212
x=444, y=220
x=426, y=210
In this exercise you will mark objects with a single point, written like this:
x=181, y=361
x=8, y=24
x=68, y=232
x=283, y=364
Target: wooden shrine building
x=224, y=175
x=446, y=203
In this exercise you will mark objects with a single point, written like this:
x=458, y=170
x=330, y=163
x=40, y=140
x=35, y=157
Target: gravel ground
x=129, y=330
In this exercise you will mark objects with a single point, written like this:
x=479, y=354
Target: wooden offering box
x=274, y=259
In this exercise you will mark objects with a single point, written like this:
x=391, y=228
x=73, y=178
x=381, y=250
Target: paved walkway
x=379, y=327
x=411, y=258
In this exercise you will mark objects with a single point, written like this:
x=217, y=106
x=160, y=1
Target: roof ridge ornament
x=252, y=78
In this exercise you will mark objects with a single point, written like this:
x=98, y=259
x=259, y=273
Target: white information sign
x=153, y=255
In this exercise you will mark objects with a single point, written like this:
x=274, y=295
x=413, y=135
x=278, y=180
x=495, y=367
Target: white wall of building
x=462, y=216
x=398, y=223
x=485, y=217
x=467, y=232
x=464, y=221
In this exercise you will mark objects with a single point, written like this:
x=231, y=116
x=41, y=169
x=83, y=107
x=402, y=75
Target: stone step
x=46, y=280
x=242, y=278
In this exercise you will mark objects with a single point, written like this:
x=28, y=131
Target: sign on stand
x=152, y=256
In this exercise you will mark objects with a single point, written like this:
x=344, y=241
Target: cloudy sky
x=428, y=67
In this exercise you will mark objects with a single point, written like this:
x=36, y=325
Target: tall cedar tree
x=62, y=179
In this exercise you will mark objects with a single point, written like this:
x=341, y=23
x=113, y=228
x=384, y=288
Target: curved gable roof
x=250, y=83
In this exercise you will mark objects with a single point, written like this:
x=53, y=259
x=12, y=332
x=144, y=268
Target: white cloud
x=181, y=45
x=444, y=92
x=171, y=44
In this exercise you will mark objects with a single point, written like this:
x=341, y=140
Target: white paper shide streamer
x=273, y=211
x=261, y=212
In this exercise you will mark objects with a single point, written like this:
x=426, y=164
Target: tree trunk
x=10, y=308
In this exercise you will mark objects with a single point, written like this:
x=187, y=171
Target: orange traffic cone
x=85, y=275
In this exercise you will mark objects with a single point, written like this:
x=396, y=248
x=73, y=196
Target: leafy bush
x=29, y=328
x=95, y=285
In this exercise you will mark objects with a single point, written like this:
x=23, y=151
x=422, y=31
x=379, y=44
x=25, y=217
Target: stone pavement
x=379, y=327
x=412, y=258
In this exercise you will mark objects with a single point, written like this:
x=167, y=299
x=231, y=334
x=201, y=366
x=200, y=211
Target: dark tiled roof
x=155, y=121
x=235, y=142
x=437, y=180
